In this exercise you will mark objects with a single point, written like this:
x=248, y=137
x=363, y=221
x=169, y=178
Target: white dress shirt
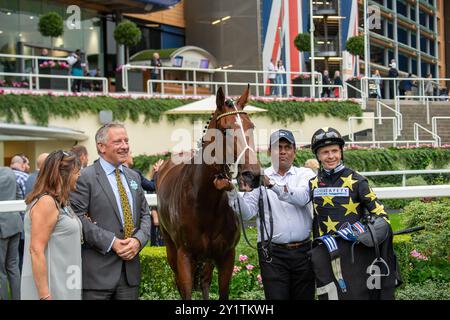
x=291, y=210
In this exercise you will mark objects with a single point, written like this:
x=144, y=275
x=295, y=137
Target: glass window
x=413, y=40
x=424, y=67
x=390, y=30
x=402, y=35
x=432, y=51
x=423, y=44
x=423, y=18
x=413, y=66
x=402, y=8
x=403, y=62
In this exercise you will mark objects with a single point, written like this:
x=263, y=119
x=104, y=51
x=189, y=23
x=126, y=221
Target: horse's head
x=236, y=129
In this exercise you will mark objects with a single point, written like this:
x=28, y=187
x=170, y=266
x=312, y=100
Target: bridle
x=233, y=168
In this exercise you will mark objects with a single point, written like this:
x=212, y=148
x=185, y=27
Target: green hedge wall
x=41, y=107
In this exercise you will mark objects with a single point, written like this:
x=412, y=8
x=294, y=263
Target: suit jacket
x=10, y=222
x=31, y=181
x=95, y=197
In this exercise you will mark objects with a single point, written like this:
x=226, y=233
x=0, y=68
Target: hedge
x=41, y=107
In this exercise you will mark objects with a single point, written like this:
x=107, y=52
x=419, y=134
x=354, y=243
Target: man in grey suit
x=10, y=228
x=115, y=217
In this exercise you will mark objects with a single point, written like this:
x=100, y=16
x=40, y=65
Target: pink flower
x=2, y=91
x=236, y=269
x=259, y=278
x=249, y=267
x=414, y=253
x=243, y=258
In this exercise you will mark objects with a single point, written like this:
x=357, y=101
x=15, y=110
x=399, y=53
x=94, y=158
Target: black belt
x=291, y=245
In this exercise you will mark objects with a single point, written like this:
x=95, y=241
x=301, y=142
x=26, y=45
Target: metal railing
x=351, y=135
x=425, y=100
x=434, y=122
x=382, y=193
x=404, y=173
x=437, y=139
x=397, y=114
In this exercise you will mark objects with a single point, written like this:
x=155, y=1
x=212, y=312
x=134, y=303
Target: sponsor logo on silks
x=331, y=192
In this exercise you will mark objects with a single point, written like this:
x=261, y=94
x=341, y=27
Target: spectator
x=52, y=261
x=312, y=164
x=20, y=165
x=337, y=81
x=272, y=77
x=325, y=82
x=393, y=73
x=281, y=71
x=77, y=70
x=10, y=228
x=377, y=78
x=407, y=85
x=115, y=218
x=82, y=153
x=443, y=94
x=156, y=63
x=29, y=184
x=429, y=86
x=285, y=266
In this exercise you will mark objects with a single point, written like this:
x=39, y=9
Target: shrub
x=428, y=290
x=355, y=46
x=51, y=25
x=303, y=42
x=127, y=33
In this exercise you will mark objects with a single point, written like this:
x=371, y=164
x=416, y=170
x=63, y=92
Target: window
x=402, y=8
x=403, y=62
x=402, y=35
x=423, y=44
x=413, y=40
x=413, y=66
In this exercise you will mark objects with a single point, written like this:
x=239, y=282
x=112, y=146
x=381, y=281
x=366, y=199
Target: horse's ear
x=220, y=99
x=243, y=99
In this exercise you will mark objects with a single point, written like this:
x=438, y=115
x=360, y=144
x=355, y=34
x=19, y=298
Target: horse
x=199, y=228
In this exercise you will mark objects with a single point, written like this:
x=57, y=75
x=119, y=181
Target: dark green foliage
x=127, y=33
x=303, y=42
x=51, y=25
x=355, y=45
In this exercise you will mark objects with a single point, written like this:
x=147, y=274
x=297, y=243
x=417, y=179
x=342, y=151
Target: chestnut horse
x=200, y=229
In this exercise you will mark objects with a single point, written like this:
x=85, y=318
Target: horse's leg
x=205, y=281
x=171, y=256
x=184, y=275
x=225, y=268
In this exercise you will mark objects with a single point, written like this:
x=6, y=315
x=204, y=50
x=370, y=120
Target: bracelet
x=46, y=297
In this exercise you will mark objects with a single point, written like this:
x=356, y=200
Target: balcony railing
x=326, y=47
x=325, y=7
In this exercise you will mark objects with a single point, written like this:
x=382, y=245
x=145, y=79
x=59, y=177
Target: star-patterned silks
x=351, y=207
x=371, y=195
x=327, y=199
x=315, y=205
x=331, y=225
x=379, y=209
x=314, y=183
x=348, y=182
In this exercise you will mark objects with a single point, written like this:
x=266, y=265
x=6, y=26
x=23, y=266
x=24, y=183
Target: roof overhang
x=24, y=132
x=125, y=6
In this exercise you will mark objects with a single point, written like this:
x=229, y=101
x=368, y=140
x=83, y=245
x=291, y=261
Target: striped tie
x=128, y=225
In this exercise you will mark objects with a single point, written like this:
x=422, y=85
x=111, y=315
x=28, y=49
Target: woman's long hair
x=54, y=176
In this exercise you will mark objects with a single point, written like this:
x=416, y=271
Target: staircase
x=412, y=112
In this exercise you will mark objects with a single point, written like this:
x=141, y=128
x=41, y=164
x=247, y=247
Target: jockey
x=353, y=255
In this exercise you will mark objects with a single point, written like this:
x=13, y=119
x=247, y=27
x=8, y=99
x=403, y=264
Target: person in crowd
x=285, y=229
x=11, y=227
x=325, y=82
x=272, y=76
x=281, y=71
x=407, y=86
x=156, y=63
x=377, y=78
x=53, y=233
x=115, y=217
x=77, y=70
x=337, y=81
x=429, y=86
x=21, y=167
x=312, y=164
x=392, y=73
x=82, y=154
x=345, y=206
x=29, y=184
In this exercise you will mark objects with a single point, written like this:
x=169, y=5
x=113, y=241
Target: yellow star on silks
x=371, y=195
x=348, y=182
x=331, y=225
x=327, y=199
x=351, y=207
x=379, y=209
x=314, y=183
x=320, y=232
x=387, y=220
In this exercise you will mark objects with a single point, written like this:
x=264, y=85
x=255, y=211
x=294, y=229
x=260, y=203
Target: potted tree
x=355, y=46
x=128, y=34
x=52, y=25
x=303, y=44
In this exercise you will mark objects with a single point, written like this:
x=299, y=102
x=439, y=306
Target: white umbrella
x=206, y=106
